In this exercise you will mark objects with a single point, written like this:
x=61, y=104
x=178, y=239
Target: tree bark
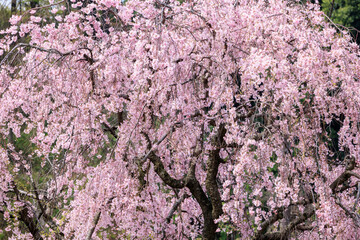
x=210, y=227
x=212, y=171
x=13, y=7
x=34, y=3
x=31, y=223
x=211, y=206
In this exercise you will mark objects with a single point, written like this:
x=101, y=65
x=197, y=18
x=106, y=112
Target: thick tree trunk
x=210, y=202
x=31, y=223
x=209, y=230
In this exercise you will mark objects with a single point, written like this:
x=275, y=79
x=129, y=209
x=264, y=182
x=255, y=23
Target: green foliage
x=275, y=167
x=4, y=18
x=227, y=230
x=345, y=13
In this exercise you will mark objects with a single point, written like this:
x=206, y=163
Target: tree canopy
x=179, y=120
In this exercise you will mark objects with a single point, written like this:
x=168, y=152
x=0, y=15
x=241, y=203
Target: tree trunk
x=13, y=7
x=34, y=3
x=31, y=223
x=209, y=230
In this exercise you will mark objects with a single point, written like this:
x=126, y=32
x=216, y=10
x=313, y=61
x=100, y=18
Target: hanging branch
x=95, y=222
x=175, y=207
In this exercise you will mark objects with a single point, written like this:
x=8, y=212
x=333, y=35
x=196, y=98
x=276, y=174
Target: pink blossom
x=14, y=19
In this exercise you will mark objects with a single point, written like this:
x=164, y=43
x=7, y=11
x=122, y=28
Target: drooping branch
x=175, y=207
x=49, y=220
x=95, y=222
x=50, y=51
x=355, y=217
x=46, y=6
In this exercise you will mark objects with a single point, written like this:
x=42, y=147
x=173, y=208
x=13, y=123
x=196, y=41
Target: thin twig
x=41, y=7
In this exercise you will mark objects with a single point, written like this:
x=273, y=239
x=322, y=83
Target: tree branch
x=175, y=206
x=343, y=178
x=51, y=50
x=49, y=220
x=350, y=165
x=355, y=217
x=31, y=222
x=163, y=174
x=95, y=222
x=290, y=227
x=277, y=216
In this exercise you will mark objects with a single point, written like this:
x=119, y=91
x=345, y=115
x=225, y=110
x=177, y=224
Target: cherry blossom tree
x=174, y=119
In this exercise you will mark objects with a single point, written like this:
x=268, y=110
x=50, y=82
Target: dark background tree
x=345, y=13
